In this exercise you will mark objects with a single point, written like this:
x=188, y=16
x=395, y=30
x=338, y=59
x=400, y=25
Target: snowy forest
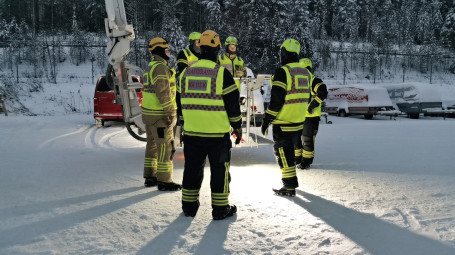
x=379, y=38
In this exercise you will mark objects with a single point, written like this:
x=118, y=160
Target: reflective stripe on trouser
x=307, y=154
x=196, y=150
x=159, y=148
x=190, y=195
x=150, y=165
x=283, y=147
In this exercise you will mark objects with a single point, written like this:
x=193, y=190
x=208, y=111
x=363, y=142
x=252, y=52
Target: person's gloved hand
x=238, y=134
x=240, y=73
x=180, y=121
x=172, y=120
x=313, y=104
x=265, y=127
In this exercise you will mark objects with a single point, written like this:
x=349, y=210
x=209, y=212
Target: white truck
x=358, y=100
x=256, y=102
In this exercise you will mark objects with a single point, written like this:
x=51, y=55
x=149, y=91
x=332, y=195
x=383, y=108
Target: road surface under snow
x=376, y=187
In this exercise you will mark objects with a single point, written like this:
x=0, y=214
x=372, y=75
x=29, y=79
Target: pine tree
x=214, y=15
x=448, y=29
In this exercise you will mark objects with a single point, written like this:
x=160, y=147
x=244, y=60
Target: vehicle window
x=102, y=86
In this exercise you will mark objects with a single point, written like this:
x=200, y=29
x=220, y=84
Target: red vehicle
x=104, y=104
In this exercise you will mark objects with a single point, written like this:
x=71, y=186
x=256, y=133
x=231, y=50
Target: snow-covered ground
x=377, y=186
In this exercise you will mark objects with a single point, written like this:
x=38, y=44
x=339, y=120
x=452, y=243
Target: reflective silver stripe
x=200, y=95
x=296, y=101
x=203, y=107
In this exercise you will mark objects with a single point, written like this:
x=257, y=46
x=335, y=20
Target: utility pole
x=34, y=40
x=54, y=74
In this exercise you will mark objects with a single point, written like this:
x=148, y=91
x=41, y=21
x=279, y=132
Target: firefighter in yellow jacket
x=187, y=57
x=159, y=114
x=208, y=99
x=290, y=94
x=313, y=116
x=231, y=61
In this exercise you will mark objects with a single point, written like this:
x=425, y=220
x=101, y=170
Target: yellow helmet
x=194, y=36
x=291, y=45
x=210, y=38
x=231, y=40
x=158, y=42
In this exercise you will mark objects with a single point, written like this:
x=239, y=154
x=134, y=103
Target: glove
x=239, y=73
x=238, y=134
x=313, y=104
x=171, y=120
x=242, y=100
x=265, y=127
x=180, y=121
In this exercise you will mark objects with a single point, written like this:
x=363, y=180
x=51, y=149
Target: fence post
x=93, y=71
x=17, y=69
x=3, y=106
x=431, y=68
x=404, y=67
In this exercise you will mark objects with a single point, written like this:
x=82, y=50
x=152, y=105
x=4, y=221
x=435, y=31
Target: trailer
x=358, y=100
x=413, y=100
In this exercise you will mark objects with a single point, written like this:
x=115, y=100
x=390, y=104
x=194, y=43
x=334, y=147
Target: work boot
x=150, y=182
x=190, y=208
x=298, y=161
x=285, y=191
x=169, y=186
x=305, y=164
x=222, y=212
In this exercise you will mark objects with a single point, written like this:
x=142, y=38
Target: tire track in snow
x=90, y=138
x=97, y=138
x=46, y=143
x=105, y=141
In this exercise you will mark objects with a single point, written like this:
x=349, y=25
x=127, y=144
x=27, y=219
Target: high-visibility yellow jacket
x=315, y=89
x=201, y=96
x=297, y=87
x=234, y=66
x=158, y=97
x=314, y=96
x=190, y=57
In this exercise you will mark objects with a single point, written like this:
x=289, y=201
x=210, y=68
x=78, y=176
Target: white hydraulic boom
x=120, y=34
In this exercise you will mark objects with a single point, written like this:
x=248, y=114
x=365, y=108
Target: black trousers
x=196, y=150
x=310, y=130
x=283, y=148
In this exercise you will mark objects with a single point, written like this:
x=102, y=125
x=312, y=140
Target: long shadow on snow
x=49, y=205
x=25, y=234
x=214, y=237
x=164, y=242
x=373, y=234
x=211, y=242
